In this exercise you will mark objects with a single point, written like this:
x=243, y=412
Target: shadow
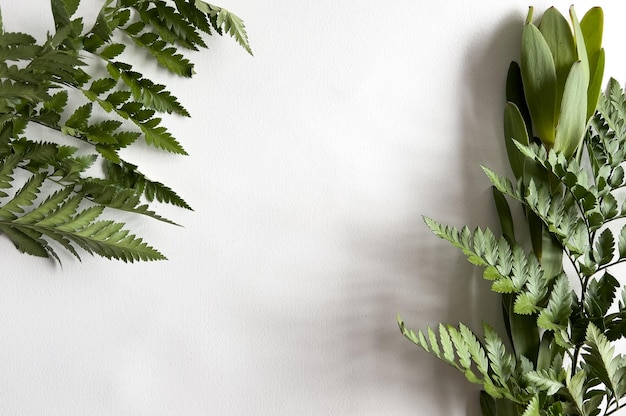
x=408, y=270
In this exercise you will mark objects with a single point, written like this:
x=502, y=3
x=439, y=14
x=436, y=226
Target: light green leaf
x=581, y=49
x=573, y=120
x=558, y=35
x=540, y=83
x=592, y=26
x=556, y=314
x=604, y=247
x=532, y=409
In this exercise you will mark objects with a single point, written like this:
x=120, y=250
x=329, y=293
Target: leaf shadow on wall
x=403, y=268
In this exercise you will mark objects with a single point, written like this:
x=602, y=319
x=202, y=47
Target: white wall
x=311, y=165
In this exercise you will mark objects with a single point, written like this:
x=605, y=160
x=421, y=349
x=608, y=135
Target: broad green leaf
x=581, y=49
x=558, y=35
x=522, y=330
x=515, y=94
x=573, y=120
x=488, y=405
x=540, y=83
x=597, y=62
x=515, y=130
x=592, y=26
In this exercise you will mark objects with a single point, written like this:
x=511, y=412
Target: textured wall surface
x=310, y=167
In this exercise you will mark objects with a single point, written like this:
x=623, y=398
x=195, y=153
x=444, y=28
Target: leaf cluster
x=49, y=198
x=566, y=143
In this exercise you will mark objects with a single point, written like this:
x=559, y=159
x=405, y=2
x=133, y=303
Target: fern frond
x=223, y=20
x=23, y=197
x=555, y=315
x=127, y=175
x=502, y=363
x=170, y=24
x=550, y=380
x=116, y=197
x=166, y=56
x=529, y=300
x=533, y=408
x=603, y=362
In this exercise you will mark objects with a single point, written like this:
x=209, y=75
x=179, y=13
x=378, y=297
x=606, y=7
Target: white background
x=310, y=167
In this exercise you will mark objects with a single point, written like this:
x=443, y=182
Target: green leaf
x=528, y=301
x=540, y=83
x=532, y=409
x=600, y=295
x=558, y=36
x=592, y=26
x=576, y=387
x=573, y=120
x=501, y=362
x=622, y=243
x=113, y=50
x=604, y=248
x=515, y=130
x=23, y=198
x=79, y=119
x=581, y=49
x=230, y=23
x=159, y=137
x=547, y=380
x=602, y=362
x=24, y=242
x=556, y=314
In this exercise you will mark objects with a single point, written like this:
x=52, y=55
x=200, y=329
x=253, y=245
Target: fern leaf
x=171, y=25
x=113, y=50
x=222, y=19
x=555, y=316
x=57, y=102
x=577, y=389
x=23, y=198
x=7, y=167
x=602, y=362
x=502, y=363
x=102, y=85
x=16, y=38
x=62, y=214
x=116, y=197
x=604, y=248
x=79, y=119
x=25, y=243
x=128, y=176
x=158, y=136
x=547, y=380
x=50, y=205
x=533, y=408
x=600, y=295
x=528, y=301
x=166, y=56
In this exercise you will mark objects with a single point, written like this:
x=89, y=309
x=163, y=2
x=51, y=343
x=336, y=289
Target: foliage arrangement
x=79, y=85
x=563, y=307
